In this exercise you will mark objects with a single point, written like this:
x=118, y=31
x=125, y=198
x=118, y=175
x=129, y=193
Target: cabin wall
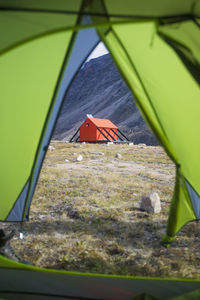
x=100, y=137
x=88, y=131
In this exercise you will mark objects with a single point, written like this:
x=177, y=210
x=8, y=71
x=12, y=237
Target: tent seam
x=73, y=12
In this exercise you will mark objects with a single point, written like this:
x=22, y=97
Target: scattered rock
x=58, y=235
x=98, y=153
x=118, y=155
x=79, y=158
x=142, y=145
x=42, y=217
x=151, y=203
x=21, y=235
x=51, y=148
x=115, y=250
x=130, y=144
x=72, y=212
x=109, y=143
x=66, y=160
x=77, y=146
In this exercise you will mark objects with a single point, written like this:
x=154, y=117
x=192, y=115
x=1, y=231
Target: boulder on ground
x=151, y=203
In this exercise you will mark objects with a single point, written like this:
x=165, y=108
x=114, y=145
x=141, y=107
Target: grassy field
x=85, y=215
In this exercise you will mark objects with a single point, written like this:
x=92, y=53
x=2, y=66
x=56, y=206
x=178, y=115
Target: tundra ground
x=85, y=215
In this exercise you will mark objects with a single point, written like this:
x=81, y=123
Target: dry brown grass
x=85, y=215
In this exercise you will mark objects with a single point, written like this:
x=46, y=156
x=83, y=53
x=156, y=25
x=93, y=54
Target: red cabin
x=94, y=129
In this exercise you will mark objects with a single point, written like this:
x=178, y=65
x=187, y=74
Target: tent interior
x=156, y=49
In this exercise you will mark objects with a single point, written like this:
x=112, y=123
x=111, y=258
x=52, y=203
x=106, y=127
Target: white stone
x=142, y=146
x=118, y=155
x=79, y=158
x=66, y=160
x=51, y=148
x=151, y=203
x=130, y=144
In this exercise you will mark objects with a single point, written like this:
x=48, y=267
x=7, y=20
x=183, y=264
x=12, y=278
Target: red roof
x=104, y=123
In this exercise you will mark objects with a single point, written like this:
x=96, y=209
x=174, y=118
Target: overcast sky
x=98, y=51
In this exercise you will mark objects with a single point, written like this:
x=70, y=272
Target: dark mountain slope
x=99, y=90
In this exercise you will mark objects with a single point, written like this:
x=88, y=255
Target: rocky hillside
x=100, y=90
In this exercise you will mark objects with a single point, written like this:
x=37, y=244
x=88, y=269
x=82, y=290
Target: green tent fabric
x=166, y=102
x=156, y=46
x=26, y=282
